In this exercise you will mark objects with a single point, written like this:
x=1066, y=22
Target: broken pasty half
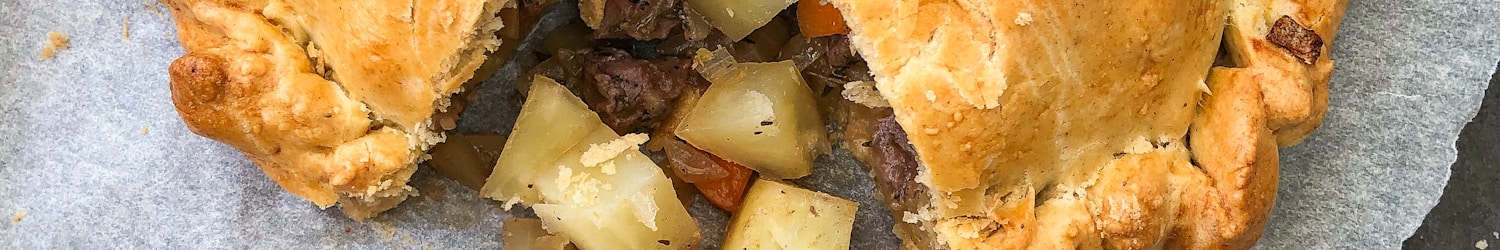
x=1095, y=125
x=333, y=99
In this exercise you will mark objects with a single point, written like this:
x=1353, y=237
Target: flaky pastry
x=1101, y=124
x=335, y=99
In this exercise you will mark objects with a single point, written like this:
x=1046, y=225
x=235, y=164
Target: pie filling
x=636, y=70
x=653, y=66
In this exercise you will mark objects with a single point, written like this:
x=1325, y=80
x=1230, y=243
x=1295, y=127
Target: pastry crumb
x=56, y=42
x=511, y=202
x=909, y=217
x=17, y=218
x=600, y=152
x=864, y=93
x=1023, y=19
x=1482, y=244
x=387, y=230
x=608, y=167
x=154, y=8
x=125, y=22
x=145, y=130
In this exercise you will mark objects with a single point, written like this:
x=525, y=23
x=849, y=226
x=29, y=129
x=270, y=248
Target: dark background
x=1469, y=210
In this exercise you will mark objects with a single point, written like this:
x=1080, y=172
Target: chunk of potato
x=597, y=190
x=737, y=18
x=760, y=115
x=552, y=121
x=781, y=216
x=633, y=208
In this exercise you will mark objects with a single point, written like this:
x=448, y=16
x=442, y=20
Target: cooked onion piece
x=819, y=18
x=737, y=18
x=728, y=192
x=691, y=165
x=781, y=216
x=587, y=183
x=694, y=26
x=468, y=159
x=527, y=233
x=760, y=115
x=764, y=44
x=722, y=182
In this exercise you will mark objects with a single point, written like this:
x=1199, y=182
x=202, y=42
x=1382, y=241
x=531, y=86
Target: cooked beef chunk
x=895, y=158
x=632, y=94
x=826, y=62
x=1301, y=42
x=639, y=19
x=876, y=140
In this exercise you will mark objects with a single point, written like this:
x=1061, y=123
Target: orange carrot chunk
x=819, y=19
x=726, y=193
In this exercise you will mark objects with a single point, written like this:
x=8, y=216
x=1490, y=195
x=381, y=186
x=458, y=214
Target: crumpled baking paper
x=93, y=154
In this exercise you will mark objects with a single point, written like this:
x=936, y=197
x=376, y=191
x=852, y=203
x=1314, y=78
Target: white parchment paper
x=94, y=155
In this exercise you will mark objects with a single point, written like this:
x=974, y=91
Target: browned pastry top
x=332, y=99
x=1096, y=124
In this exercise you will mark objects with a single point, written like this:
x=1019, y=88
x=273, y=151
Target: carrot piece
x=817, y=19
x=726, y=193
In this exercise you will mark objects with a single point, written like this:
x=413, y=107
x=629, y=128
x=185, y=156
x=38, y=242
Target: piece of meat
x=690, y=164
x=1302, y=42
x=639, y=19
x=895, y=160
x=876, y=140
x=631, y=94
x=826, y=62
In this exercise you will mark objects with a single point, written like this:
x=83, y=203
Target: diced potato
x=552, y=120
x=598, y=190
x=737, y=18
x=634, y=208
x=760, y=115
x=782, y=216
x=527, y=233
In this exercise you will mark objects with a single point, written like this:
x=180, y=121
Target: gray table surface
x=1469, y=211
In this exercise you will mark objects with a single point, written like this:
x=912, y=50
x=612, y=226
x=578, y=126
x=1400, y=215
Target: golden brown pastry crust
x=1041, y=127
x=334, y=105
x=1296, y=91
